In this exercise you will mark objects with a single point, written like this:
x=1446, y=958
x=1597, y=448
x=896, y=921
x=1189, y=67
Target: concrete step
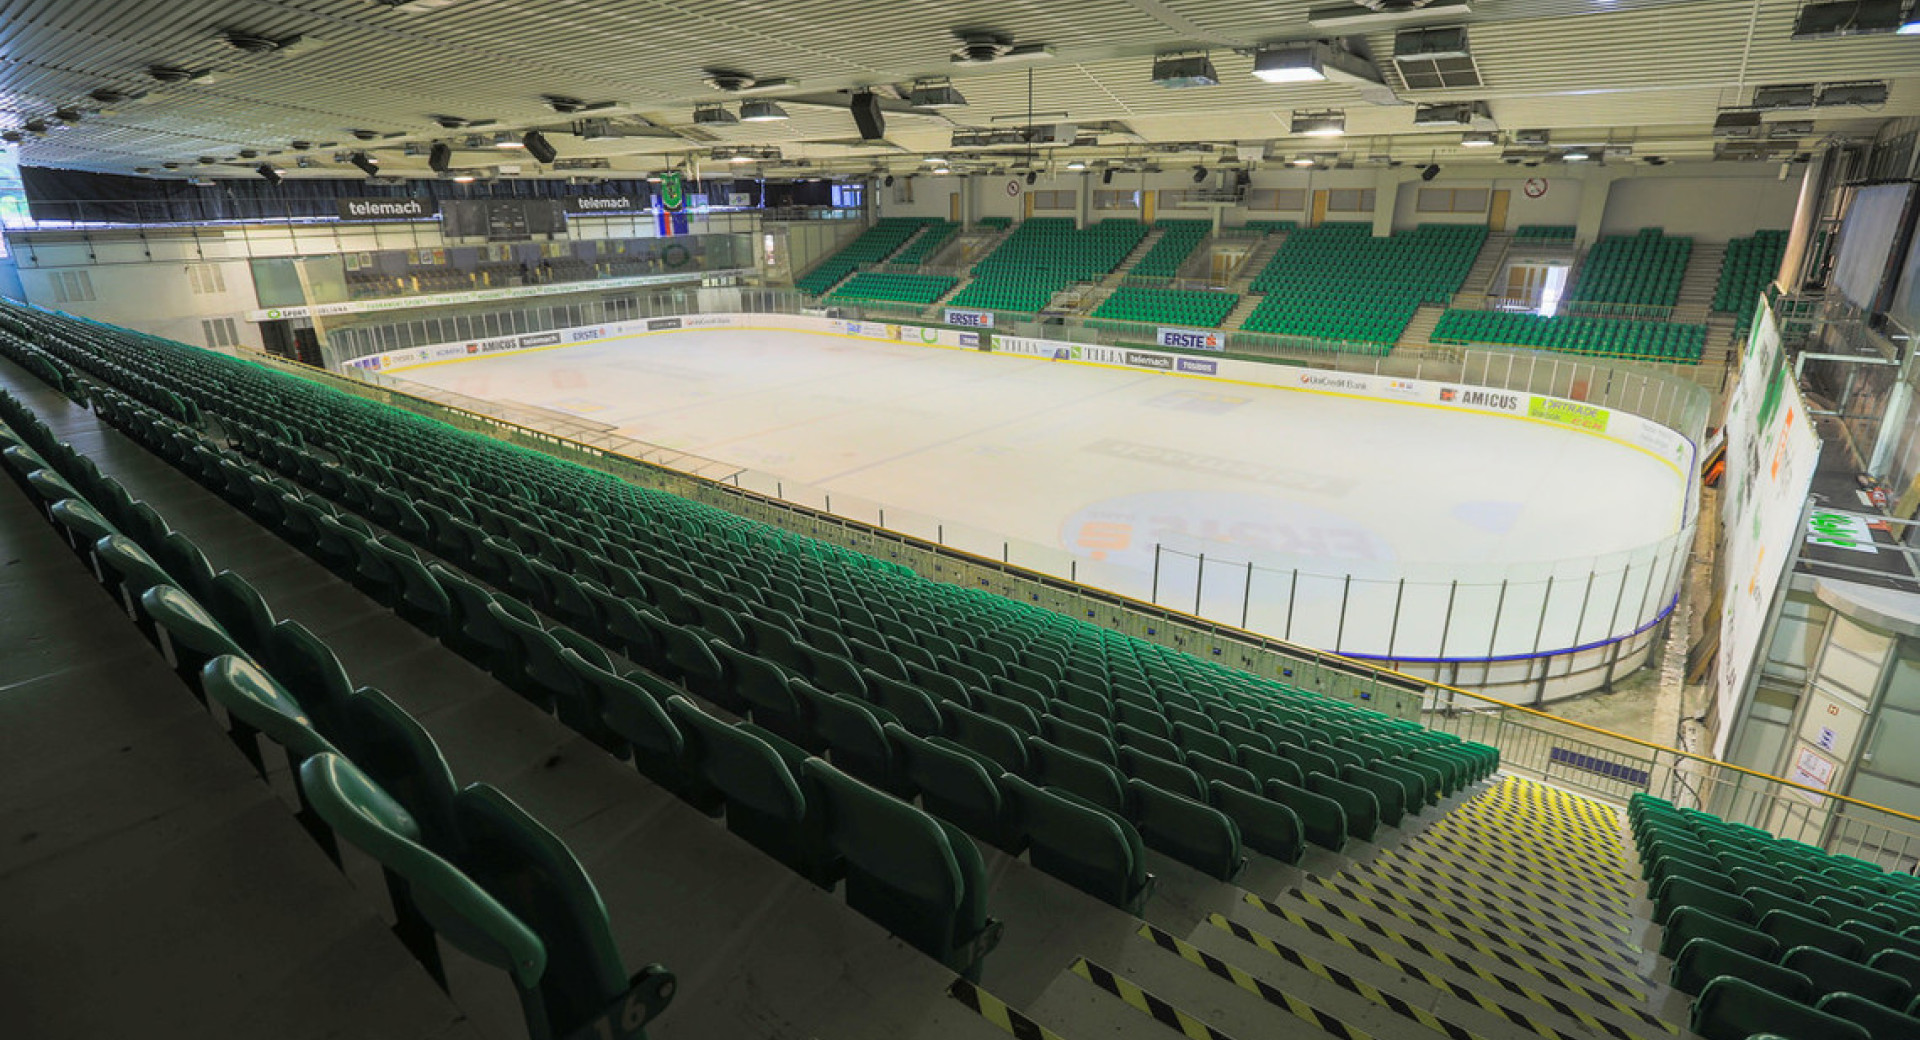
x=1419, y=331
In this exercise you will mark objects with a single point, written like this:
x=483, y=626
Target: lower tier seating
x=1599, y=337
x=1168, y=307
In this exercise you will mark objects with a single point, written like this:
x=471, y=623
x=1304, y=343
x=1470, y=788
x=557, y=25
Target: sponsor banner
x=969, y=319
x=401, y=303
x=621, y=203
x=1569, y=413
x=540, y=339
x=583, y=335
x=1197, y=366
x=972, y=339
x=1479, y=397
x=1144, y=359
x=1840, y=531
x=1192, y=339
x=662, y=324
x=386, y=209
x=1336, y=382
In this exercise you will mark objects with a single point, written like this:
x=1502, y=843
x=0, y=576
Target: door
x=953, y=207
x=1319, y=215
x=1497, y=210
x=1028, y=196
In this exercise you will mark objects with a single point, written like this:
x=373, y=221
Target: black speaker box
x=868, y=117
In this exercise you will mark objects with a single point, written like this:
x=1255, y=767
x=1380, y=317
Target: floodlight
x=1299, y=64
x=1189, y=70
x=1320, y=124
x=761, y=111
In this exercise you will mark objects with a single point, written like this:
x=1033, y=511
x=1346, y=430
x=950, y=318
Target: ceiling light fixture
x=1300, y=160
x=1295, y=64
x=1076, y=164
x=935, y=94
x=761, y=112
x=712, y=113
x=1479, y=139
x=1179, y=71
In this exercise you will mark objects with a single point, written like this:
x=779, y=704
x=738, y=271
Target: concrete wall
x=1732, y=201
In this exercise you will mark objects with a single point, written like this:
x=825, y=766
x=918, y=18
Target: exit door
x=1497, y=210
x=1319, y=215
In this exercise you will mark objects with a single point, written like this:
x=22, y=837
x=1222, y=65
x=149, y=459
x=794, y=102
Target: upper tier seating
x=929, y=242
x=1043, y=256
x=1750, y=265
x=1643, y=270
x=1607, y=337
x=1339, y=282
x=1268, y=227
x=1204, y=310
x=871, y=246
x=1544, y=233
x=1178, y=238
x=921, y=289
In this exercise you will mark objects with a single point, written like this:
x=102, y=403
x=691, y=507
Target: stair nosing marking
x=1458, y=964
x=997, y=1011
x=1425, y=876
x=1425, y=862
x=1562, y=944
x=1471, y=940
x=1459, y=992
x=1153, y=1007
x=1299, y=1008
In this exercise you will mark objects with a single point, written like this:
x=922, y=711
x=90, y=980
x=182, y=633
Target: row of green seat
x=1751, y=264
x=1178, y=239
x=1776, y=935
x=871, y=246
x=1043, y=256
x=869, y=636
x=467, y=863
x=1168, y=307
x=1543, y=233
x=1269, y=227
x=929, y=242
x=1340, y=282
x=919, y=289
x=1640, y=270
x=1601, y=337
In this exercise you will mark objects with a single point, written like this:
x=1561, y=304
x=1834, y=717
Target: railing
x=1595, y=761
x=1627, y=311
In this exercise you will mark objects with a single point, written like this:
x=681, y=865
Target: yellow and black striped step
x=1500, y=888
x=1525, y=863
x=1621, y=1000
x=1433, y=887
x=1163, y=1012
x=1007, y=1019
x=1597, y=857
x=1445, y=925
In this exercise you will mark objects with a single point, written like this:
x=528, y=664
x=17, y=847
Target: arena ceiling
x=136, y=85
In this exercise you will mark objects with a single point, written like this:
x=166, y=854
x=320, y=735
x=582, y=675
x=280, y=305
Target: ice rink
x=1085, y=469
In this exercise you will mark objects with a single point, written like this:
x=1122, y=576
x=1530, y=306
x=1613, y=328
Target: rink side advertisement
x=1771, y=453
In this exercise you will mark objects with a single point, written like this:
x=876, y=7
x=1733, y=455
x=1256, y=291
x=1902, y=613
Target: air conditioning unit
x=1737, y=124
x=1456, y=114
x=1532, y=138
x=1432, y=59
x=1790, y=95
x=1870, y=93
x=1052, y=134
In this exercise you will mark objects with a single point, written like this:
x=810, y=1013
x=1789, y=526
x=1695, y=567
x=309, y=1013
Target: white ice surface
x=1099, y=464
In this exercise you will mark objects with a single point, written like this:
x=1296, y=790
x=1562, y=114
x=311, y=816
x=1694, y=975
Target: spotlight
x=366, y=163
x=761, y=112
x=1430, y=171
x=270, y=173
x=1189, y=70
x=1076, y=164
x=539, y=147
x=1297, y=64
x=1199, y=174
x=1479, y=139
x=439, y=157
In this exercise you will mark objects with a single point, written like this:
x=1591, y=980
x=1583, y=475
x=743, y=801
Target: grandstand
x=1641, y=272
x=887, y=287
x=1044, y=255
x=1594, y=337
x=1338, y=282
x=1178, y=239
x=872, y=246
x=1751, y=264
x=1168, y=307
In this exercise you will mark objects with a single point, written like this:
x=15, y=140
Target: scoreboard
x=503, y=220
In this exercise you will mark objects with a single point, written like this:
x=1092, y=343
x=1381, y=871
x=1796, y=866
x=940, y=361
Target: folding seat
x=534, y=669
x=1169, y=775
x=189, y=636
x=1692, y=922
x=83, y=527
x=957, y=786
x=239, y=609
x=911, y=706
x=1879, y=1021
x=758, y=686
x=1323, y=820
x=516, y=898
x=1702, y=960
x=850, y=733
x=1088, y=778
x=1094, y=850
x=1732, y=1008
x=1187, y=829
x=1211, y=769
x=917, y=877
x=1875, y=939
x=256, y=706
x=691, y=662
x=1148, y=719
x=1838, y=913
x=1080, y=739
x=1267, y=826
x=1793, y=929
x=987, y=736
x=128, y=572
x=1832, y=973
x=640, y=718
x=755, y=773
x=836, y=672
x=1389, y=795
x=1193, y=738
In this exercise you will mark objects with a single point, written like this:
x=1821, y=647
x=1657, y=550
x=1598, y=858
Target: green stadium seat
x=1186, y=829
x=956, y=786
x=852, y=733
x=1730, y=1008
x=1792, y=930
x=1678, y=891
x=1832, y=973
x=920, y=879
x=1702, y=960
x=764, y=801
x=1089, y=778
x=1357, y=804
x=240, y=609
x=1090, y=848
x=987, y=736
x=190, y=636
x=1881, y=1022
x=1322, y=819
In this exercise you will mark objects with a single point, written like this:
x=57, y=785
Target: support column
x=1806, y=213
x=1594, y=189
x=1386, y=197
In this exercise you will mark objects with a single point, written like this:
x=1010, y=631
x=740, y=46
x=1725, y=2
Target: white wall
x=156, y=295
x=1732, y=201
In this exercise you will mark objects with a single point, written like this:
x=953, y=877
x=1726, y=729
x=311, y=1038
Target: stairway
x=1698, y=284
x=1245, y=308
x=1486, y=266
x=1256, y=261
x=1511, y=914
x=1119, y=273
x=1419, y=331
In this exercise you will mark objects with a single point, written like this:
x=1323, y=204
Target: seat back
x=1265, y=825
x=458, y=907
x=241, y=610
x=1164, y=774
x=987, y=736
x=851, y=732
x=308, y=669
x=1792, y=929
x=1878, y=1020
x=1691, y=922
x=1832, y=973
x=1362, y=809
x=193, y=635
x=1076, y=841
x=1323, y=821
x=253, y=698
x=1898, y=962
x=399, y=755
x=1702, y=960
x=765, y=803
x=1190, y=831
x=1678, y=891
x=955, y=786
x=902, y=869
x=1731, y=1008
x=1091, y=779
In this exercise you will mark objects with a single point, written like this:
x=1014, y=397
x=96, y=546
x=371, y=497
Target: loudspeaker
x=1032, y=176
x=1432, y=171
x=888, y=181
x=1106, y=176
x=868, y=117
x=440, y=157
x=367, y=164
x=538, y=147
x=269, y=172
